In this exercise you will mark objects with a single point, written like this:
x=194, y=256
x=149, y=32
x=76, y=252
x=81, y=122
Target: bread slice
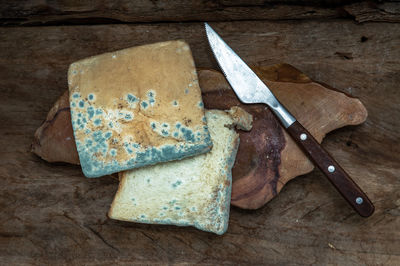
x=192, y=192
x=135, y=107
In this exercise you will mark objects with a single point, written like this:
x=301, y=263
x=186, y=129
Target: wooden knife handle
x=332, y=170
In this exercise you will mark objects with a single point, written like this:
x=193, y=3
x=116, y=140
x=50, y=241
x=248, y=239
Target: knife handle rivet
x=331, y=168
x=303, y=136
x=359, y=200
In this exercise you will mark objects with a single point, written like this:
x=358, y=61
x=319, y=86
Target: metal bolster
x=280, y=111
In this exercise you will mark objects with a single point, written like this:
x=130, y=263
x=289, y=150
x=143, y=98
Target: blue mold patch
x=175, y=103
x=176, y=184
x=90, y=112
x=188, y=134
x=76, y=95
x=113, y=152
x=151, y=97
x=108, y=135
x=128, y=117
x=164, y=132
x=201, y=105
x=186, y=91
x=99, y=155
x=91, y=97
x=131, y=98
x=144, y=104
x=81, y=104
x=97, y=122
x=93, y=167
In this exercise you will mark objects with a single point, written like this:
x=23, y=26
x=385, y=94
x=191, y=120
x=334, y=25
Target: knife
x=250, y=89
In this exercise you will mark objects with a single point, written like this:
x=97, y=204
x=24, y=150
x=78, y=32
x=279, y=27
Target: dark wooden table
x=51, y=214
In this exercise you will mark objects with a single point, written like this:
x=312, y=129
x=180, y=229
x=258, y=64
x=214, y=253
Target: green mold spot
x=177, y=208
x=135, y=145
x=113, y=152
x=142, y=216
x=176, y=134
x=164, y=132
x=73, y=104
x=99, y=111
x=81, y=104
x=148, y=181
x=165, y=208
x=150, y=94
x=110, y=125
x=78, y=121
x=193, y=209
x=204, y=119
x=164, y=125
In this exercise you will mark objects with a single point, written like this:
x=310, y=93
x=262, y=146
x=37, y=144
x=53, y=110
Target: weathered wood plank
x=52, y=214
x=104, y=12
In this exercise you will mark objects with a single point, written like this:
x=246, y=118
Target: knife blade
x=250, y=89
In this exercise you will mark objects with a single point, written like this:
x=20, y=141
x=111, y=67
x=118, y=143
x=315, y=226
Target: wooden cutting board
x=267, y=158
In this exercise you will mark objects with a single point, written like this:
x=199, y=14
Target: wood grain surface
x=36, y=12
x=53, y=216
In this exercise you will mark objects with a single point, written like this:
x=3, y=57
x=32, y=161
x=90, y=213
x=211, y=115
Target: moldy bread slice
x=135, y=107
x=192, y=192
